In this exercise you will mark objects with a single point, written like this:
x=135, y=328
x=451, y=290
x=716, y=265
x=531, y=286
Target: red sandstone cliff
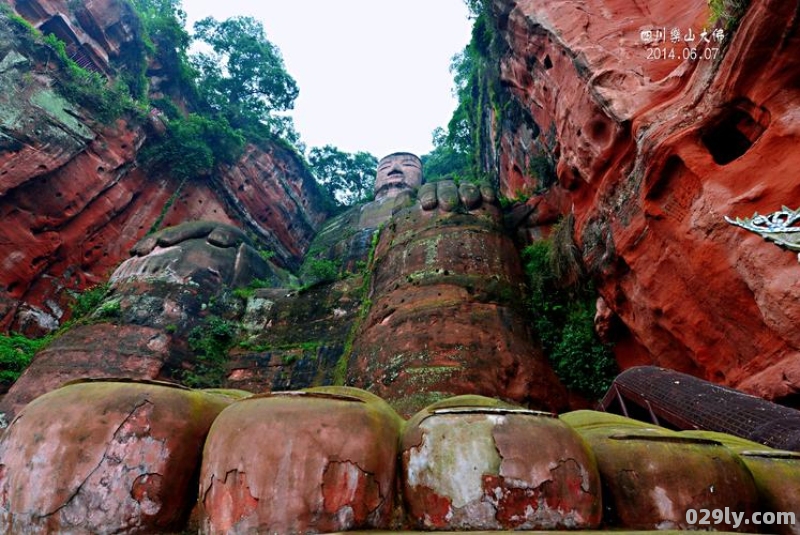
x=73, y=200
x=651, y=154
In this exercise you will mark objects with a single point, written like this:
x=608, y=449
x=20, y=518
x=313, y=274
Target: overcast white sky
x=373, y=74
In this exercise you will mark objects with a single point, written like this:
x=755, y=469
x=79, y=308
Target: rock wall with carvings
x=651, y=152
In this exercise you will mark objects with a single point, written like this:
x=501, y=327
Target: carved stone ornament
x=780, y=227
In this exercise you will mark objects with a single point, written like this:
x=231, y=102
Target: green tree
x=446, y=160
x=457, y=148
x=242, y=76
x=347, y=177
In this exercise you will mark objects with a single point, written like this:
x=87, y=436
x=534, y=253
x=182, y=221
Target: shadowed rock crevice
x=731, y=134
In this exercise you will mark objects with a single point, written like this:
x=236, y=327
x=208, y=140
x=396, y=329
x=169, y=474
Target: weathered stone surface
x=95, y=32
x=427, y=196
x=445, y=316
x=103, y=458
x=141, y=328
x=447, y=194
x=650, y=155
x=295, y=339
x=652, y=476
x=91, y=351
x=471, y=463
x=330, y=466
x=470, y=195
x=285, y=211
x=72, y=197
x=201, y=253
x=776, y=474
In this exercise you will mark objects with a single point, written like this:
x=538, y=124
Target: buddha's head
x=397, y=172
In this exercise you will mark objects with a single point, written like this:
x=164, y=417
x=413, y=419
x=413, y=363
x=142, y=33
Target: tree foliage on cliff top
x=348, y=178
x=234, y=91
x=168, y=43
x=243, y=76
x=217, y=99
x=458, y=149
x=194, y=146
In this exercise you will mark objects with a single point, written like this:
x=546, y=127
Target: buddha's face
x=397, y=172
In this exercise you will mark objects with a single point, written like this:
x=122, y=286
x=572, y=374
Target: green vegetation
x=506, y=202
x=235, y=91
x=110, y=309
x=348, y=178
x=466, y=150
x=728, y=13
x=243, y=77
x=253, y=285
x=168, y=42
x=542, y=165
x=88, y=300
x=165, y=209
x=210, y=342
x=563, y=305
x=18, y=22
x=311, y=347
x=16, y=352
x=460, y=150
x=193, y=146
x=320, y=270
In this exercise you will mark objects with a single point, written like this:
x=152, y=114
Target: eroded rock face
x=72, y=198
x=296, y=339
x=157, y=298
x=104, y=458
x=445, y=309
x=474, y=463
x=330, y=468
x=650, y=155
x=95, y=32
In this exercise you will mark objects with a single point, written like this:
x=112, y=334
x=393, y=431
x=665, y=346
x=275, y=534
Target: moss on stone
x=588, y=420
x=58, y=107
